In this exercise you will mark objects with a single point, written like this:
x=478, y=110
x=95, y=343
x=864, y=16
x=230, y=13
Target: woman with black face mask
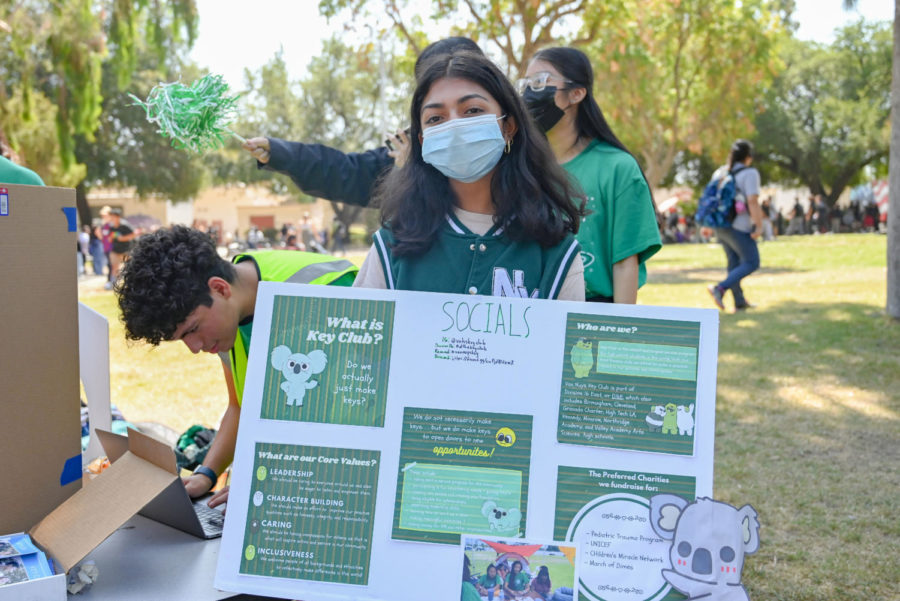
x=620, y=232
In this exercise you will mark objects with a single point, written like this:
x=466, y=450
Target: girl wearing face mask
x=481, y=207
x=620, y=231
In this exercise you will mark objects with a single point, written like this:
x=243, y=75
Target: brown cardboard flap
x=89, y=516
x=154, y=451
x=115, y=445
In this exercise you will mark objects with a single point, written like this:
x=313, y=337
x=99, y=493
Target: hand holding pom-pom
x=194, y=117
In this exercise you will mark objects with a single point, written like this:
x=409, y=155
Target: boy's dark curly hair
x=165, y=279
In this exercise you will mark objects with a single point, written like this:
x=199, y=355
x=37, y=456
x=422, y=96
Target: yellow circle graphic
x=505, y=437
x=250, y=552
x=261, y=473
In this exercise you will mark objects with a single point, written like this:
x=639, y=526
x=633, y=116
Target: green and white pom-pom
x=194, y=117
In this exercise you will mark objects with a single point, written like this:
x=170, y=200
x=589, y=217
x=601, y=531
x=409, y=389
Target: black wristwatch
x=205, y=471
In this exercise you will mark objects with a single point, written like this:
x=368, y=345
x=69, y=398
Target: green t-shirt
x=517, y=582
x=488, y=582
x=10, y=173
x=469, y=593
x=622, y=220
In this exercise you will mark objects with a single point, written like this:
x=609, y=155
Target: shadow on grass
x=808, y=431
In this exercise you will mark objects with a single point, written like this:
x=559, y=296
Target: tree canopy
x=675, y=76
x=56, y=53
x=827, y=115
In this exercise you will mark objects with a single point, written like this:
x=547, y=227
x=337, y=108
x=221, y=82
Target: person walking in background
x=795, y=226
x=620, y=231
x=84, y=242
x=769, y=214
x=835, y=215
x=123, y=236
x=822, y=221
x=98, y=258
x=308, y=235
x=106, y=239
x=739, y=240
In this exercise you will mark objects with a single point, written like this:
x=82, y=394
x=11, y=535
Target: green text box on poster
x=438, y=498
x=311, y=513
x=461, y=471
x=328, y=360
x=647, y=360
x=629, y=383
x=607, y=512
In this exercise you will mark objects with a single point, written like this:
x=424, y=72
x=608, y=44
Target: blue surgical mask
x=464, y=149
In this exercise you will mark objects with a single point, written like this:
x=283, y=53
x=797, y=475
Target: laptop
x=172, y=506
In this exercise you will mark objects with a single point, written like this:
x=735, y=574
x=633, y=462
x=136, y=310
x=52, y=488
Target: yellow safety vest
x=291, y=266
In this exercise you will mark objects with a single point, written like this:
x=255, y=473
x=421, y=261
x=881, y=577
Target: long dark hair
x=590, y=123
x=575, y=66
x=531, y=194
x=740, y=151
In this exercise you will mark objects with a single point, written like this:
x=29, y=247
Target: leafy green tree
x=514, y=28
x=32, y=138
x=826, y=117
x=348, y=98
x=893, y=250
x=683, y=76
x=671, y=76
x=126, y=150
x=57, y=49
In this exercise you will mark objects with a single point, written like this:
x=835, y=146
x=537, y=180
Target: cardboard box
x=142, y=471
x=40, y=428
x=40, y=431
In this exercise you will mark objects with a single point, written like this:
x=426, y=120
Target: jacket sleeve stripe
x=385, y=260
x=563, y=269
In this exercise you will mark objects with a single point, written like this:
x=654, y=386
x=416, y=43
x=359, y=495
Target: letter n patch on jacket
x=503, y=285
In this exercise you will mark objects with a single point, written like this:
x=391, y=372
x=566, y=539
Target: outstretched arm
x=322, y=171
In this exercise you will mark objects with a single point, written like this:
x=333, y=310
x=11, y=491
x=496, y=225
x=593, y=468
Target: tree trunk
x=347, y=213
x=81, y=204
x=893, y=223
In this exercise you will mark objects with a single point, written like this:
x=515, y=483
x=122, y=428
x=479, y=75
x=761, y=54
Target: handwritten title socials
x=346, y=330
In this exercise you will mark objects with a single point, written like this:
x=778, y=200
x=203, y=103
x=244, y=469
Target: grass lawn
x=808, y=406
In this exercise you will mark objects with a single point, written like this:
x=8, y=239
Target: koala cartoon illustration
x=501, y=519
x=709, y=541
x=670, y=421
x=297, y=370
x=582, y=357
x=655, y=418
x=685, y=420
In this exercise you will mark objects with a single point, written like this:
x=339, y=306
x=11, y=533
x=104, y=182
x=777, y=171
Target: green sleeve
x=635, y=227
x=469, y=593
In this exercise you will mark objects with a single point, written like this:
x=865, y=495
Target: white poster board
x=377, y=426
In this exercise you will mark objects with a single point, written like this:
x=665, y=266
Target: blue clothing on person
x=743, y=259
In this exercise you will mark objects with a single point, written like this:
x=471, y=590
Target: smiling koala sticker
x=297, y=370
x=709, y=541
